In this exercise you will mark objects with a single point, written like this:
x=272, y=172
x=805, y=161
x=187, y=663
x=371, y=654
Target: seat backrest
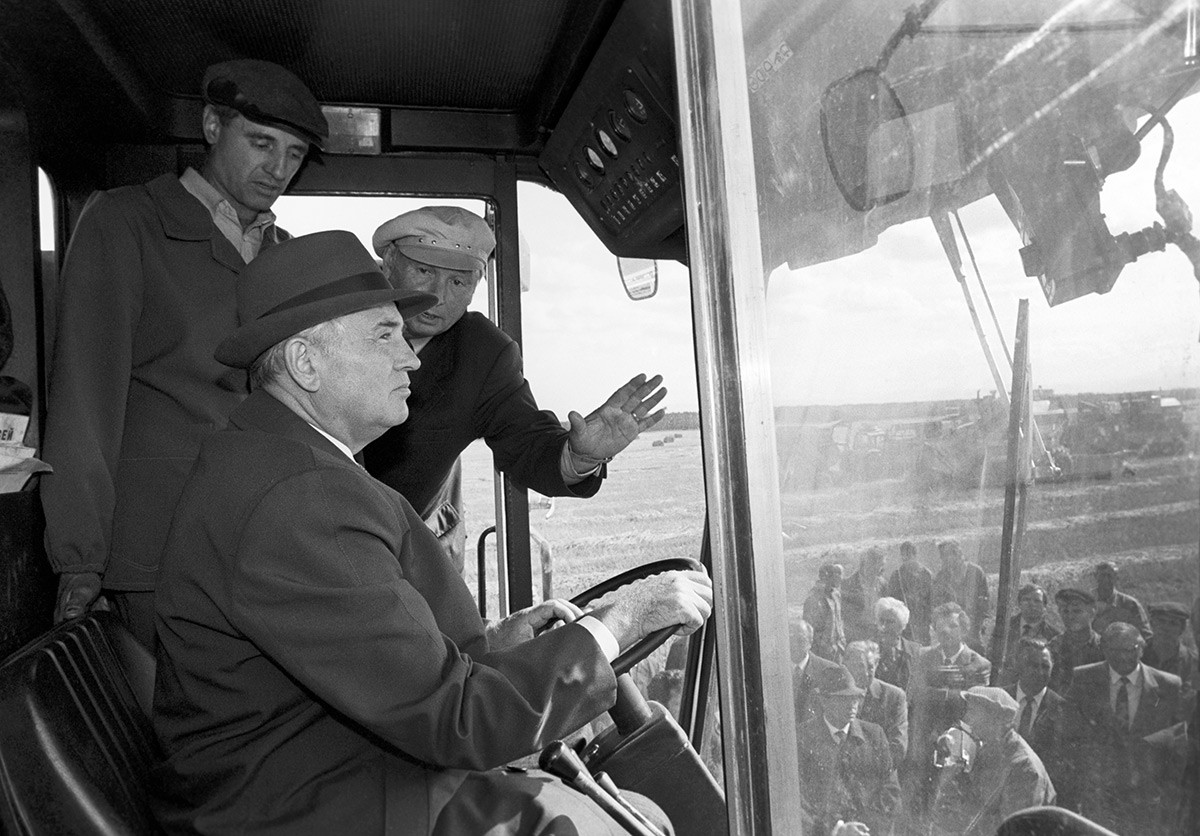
x=75, y=745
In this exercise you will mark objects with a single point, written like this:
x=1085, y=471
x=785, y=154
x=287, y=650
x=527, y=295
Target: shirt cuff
x=566, y=466
x=602, y=635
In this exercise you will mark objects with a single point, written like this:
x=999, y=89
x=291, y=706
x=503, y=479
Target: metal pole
x=1013, y=526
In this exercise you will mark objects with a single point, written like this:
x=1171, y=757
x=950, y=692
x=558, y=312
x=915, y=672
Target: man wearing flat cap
x=1005, y=776
x=471, y=385
x=1078, y=644
x=1113, y=605
x=321, y=667
x=147, y=291
x=846, y=770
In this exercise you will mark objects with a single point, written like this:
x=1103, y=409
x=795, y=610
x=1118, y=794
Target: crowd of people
x=913, y=717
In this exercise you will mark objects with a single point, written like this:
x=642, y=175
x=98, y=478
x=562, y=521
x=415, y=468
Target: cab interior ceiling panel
x=132, y=66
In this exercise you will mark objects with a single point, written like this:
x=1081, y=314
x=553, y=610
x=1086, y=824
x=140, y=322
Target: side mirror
x=639, y=276
x=868, y=141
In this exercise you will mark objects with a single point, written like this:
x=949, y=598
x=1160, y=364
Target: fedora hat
x=837, y=682
x=303, y=282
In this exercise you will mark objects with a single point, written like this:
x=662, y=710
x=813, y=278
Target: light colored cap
x=441, y=236
x=997, y=701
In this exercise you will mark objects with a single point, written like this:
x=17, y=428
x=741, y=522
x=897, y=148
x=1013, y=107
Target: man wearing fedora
x=471, y=385
x=147, y=291
x=321, y=666
x=1005, y=776
x=846, y=770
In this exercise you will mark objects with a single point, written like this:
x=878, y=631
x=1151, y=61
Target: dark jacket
x=886, y=706
x=853, y=782
x=470, y=385
x=321, y=667
x=913, y=584
x=147, y=292
x=1045, y=737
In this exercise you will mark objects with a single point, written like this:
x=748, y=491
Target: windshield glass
x=925, y=174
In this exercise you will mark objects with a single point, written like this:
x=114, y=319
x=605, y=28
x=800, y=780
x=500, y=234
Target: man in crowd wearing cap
x=471, y=385
x=860, y=591
x=846, y=770
x=1078, y=644
x=823, y=610
x=912, y=583
x=883, y=704
x=965, y=584
x=1112, y=707
x=1040, y=709
x=1029, y=623
x=321, y=667
x=1166, y=649
x=1113, y=605
x=147, y=291
x=1005, y=776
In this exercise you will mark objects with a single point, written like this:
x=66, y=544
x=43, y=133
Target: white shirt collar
x=335, y=441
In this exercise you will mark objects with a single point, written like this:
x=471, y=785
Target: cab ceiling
x=492, y=77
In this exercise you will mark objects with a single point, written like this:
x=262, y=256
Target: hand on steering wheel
x=689, y=604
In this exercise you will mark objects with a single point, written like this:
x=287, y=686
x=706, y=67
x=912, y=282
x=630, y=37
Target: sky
x=889, y=324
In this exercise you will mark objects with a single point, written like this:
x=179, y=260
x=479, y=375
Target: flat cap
x=1170, y=609
x=1070, y=594
x=995, y=701
x=1105, y=568
x=442, y=236
x=268, y=94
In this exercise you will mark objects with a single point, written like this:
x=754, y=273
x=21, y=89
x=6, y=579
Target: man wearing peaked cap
x=471, y=385
x=300, y=592
x=147, y=291
x=1166, y=649
x=1006, y=776
x=1078, y=644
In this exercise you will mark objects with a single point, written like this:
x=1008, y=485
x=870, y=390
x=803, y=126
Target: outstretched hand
x=523, y=625
x=610, y=429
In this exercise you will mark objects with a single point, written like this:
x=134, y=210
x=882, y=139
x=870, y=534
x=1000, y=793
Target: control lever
x=610, y=786
x=561, y=760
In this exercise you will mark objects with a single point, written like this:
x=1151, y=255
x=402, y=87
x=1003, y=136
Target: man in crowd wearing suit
x=964, y=583
x=471, y=385
x=1167, y=650
x=322, y=668
x=935, y=689
x=1114, y=605
x=883, y=704
x=1006, y=775
x=1040, y=709
x=807, y=667
x=912, y=583
x=896, y=653
x=148, y=289
x=1112, y=707
x=1029, y=623
x=1078, y=644
x=846, y=771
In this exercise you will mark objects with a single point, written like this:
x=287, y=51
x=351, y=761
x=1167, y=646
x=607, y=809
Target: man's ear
x=210, y=124
x=301, y=364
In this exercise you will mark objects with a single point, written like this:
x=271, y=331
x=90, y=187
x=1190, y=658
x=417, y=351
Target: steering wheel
x=647, y=645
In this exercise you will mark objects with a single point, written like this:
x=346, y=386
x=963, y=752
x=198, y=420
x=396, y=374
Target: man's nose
x=277, y=165
x=406, y=359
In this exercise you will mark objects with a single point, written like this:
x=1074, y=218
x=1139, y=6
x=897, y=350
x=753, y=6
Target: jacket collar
x=263, y=412
x=185, y=218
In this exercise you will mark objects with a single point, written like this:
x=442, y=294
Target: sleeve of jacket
x=527, y=442
x=341, y=599
x=99, y=305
